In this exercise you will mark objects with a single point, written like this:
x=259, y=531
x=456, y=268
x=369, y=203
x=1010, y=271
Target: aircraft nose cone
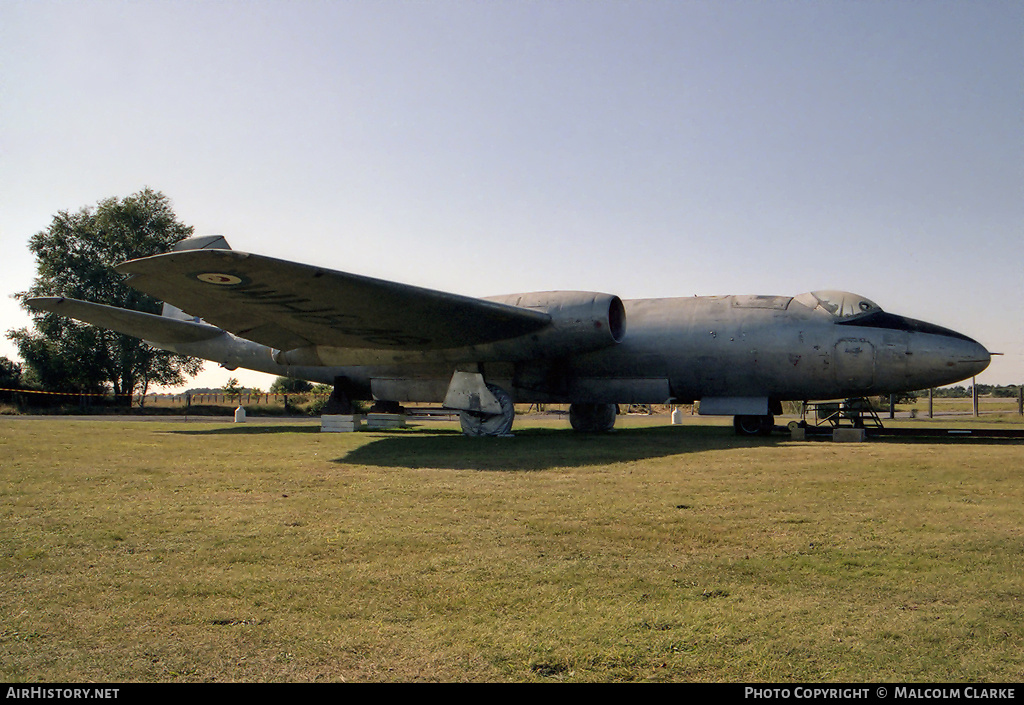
x=941, y=356
x=971, y=357
x=962, y=357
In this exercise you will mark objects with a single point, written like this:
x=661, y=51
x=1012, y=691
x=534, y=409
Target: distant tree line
x=966, y=392
x=280, y=386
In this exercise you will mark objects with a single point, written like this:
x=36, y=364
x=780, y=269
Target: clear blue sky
x=640, y=148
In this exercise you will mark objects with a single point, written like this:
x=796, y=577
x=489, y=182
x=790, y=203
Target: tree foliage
x=10, y=378
x=232, y=388
x=962, y=392
x=10, y=373
x=75, y=257
x=290, y=385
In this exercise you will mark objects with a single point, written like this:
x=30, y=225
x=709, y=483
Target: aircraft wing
x=286, y=305
x=147, y=326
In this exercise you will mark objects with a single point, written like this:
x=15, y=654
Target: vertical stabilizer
x=205, y=242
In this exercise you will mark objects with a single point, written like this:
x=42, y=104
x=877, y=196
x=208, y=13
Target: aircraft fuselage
x=677, y=350
x=740, y=356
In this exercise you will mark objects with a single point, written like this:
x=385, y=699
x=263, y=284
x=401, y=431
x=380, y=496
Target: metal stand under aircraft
x=857, y=412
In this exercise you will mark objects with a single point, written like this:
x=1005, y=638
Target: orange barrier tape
x=65, y=394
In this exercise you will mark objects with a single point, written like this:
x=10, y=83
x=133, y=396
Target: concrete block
x=376, y=422
x=340, y=423
x=849, y=435
x=798, y=434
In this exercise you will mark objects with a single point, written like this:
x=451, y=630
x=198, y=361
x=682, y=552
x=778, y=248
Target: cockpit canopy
x=839, y=304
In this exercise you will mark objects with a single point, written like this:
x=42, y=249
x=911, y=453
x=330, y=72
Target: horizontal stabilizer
x=147, y=326
x=286, y=306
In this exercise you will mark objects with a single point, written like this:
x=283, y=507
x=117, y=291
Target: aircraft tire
x=753, y=425
x=592, y=418
x=475, y=423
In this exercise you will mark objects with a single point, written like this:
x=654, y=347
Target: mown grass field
x=169, y=551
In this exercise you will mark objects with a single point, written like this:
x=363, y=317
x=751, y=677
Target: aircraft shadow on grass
x=535, y=449
x=529, y=449
x=544, y=449
x=540, y=449
x=249, y=429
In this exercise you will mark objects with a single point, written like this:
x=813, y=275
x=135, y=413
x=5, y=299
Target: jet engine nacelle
x=580, y=321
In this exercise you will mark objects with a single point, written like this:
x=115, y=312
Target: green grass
x=154, y=551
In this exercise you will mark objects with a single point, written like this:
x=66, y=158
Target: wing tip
x=45, y=303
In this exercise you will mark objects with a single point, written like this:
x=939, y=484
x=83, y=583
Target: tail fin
x=204, y=242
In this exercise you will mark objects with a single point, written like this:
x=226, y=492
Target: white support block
x=848, y=435
x=376, y=422
x=340, y=423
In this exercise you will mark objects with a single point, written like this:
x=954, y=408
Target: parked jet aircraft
x=740, y=356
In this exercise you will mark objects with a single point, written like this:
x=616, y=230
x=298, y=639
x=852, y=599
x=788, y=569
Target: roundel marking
x=219, y=278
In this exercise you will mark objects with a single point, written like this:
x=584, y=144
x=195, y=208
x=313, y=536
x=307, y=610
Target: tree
x=10, y=374
x=232, y=388
x=75, y=257
x=10, y=378
x=1005, y=391
x=290, y=385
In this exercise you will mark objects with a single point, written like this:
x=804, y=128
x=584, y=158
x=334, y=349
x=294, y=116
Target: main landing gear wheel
x=592, y=418
x=753, y=425
x=476, y=423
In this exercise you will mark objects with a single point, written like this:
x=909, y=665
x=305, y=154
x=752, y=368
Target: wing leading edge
x=286, y=305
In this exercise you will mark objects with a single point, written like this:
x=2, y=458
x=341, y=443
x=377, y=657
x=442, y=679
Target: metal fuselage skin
x=677, y=350
x=736, y=346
